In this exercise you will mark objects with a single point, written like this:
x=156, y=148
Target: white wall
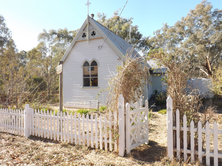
x=73, y=90
x=155, y=83
x=203, y=86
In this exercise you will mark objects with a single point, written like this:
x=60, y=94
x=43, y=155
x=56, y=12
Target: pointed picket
x=87, y=129
x=110, y=130
x=192, y=140
x=92, y=144
x=215, y=144
x=79, y=129
x=50, y=117
x=68, y=124
x=185, y=137
x=54, y=126
x=105, y=128
x=71, y=123
x=178, y=133
x=47, y=124
x=75, y=128
x=83, y=129
x=100, y=133
x=200, y=142
x=207, y=144
x=96, y=132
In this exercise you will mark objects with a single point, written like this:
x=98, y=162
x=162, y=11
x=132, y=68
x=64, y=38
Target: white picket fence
x=137, y=126
x=12, y=121
x=196, y=134
x=94, y=131
x=97, y=131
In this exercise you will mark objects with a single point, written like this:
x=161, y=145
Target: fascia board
x=74, y=41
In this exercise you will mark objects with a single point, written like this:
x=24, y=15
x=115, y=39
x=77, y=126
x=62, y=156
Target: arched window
x=90, y=74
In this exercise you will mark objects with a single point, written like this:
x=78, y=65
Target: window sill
x=90, y=87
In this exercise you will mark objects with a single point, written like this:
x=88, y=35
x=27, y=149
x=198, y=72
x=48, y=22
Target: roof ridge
x=109, y=30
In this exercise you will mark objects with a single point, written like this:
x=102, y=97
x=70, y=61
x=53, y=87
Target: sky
x=27, y=18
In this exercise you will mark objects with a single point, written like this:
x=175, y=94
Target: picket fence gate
x=196, y=134
x=121, y=132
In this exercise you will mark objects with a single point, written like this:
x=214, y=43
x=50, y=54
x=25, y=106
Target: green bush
x=102, y=108
x=163, y=111
x=150, y=114
x=83, y=111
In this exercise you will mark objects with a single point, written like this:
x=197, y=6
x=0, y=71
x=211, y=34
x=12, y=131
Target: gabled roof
x=118, y=44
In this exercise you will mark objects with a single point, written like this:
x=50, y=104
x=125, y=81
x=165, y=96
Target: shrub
x=102, y=108
x=83, y=111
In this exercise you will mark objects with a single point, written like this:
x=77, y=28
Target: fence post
x=128, y=128
x=147, y=116
x=170, y=127
x=27, y=121
x=121, y=126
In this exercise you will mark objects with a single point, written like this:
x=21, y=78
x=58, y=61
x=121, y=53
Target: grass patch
x=163, y=111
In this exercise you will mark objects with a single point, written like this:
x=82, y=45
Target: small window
x=93, y=33
x=90, y=74
x=84, y=35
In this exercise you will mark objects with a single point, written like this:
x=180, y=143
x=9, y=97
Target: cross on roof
x=87, y=4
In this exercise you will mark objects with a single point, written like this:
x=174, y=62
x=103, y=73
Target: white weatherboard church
x=88, y=63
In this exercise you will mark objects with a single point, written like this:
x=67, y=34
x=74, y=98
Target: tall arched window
x=90, y=74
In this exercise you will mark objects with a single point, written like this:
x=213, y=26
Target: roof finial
x=87, y=4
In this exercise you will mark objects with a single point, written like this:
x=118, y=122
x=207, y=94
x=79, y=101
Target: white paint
x=192, y=130
x=73, y=90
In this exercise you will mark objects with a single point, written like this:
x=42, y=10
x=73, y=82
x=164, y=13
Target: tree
x=5, y=35
x=198, y=38
x=123, y=27
x=217, y=82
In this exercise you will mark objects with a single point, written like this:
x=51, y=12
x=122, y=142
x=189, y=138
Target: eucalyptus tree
x=123, y=27
x=196, y=39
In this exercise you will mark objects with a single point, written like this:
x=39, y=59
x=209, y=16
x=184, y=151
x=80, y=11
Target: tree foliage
x=217, y=82
x=198, y=38
x=123, y=27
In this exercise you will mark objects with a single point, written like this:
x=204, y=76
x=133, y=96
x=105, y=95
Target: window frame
x=90, y=76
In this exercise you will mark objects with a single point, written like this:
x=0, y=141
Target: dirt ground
x=16, y=150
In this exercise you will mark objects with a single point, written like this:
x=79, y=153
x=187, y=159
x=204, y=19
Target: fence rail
x=189, y=135
x=12, y=121
x=96, y=131
x=106, y=131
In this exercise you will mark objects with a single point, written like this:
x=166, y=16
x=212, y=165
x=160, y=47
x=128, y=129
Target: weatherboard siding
x=73, y=90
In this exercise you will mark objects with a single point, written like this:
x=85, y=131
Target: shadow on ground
x=149, y=153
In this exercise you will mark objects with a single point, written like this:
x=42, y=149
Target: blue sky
x=27, y=18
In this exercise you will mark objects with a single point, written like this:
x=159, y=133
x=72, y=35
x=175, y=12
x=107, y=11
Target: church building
x=90, y=61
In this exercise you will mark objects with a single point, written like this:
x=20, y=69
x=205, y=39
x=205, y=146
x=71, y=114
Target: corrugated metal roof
x=119, y=42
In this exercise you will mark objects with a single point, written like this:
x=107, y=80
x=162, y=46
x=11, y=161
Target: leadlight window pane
x=94, y=81
x=90, y=74
x=86, y=82
x=93, y=63
x=94, y=72
x=86, y=64
x=86, y=72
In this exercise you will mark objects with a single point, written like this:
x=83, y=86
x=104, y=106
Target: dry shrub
x=129, y=81
x=189, y=103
